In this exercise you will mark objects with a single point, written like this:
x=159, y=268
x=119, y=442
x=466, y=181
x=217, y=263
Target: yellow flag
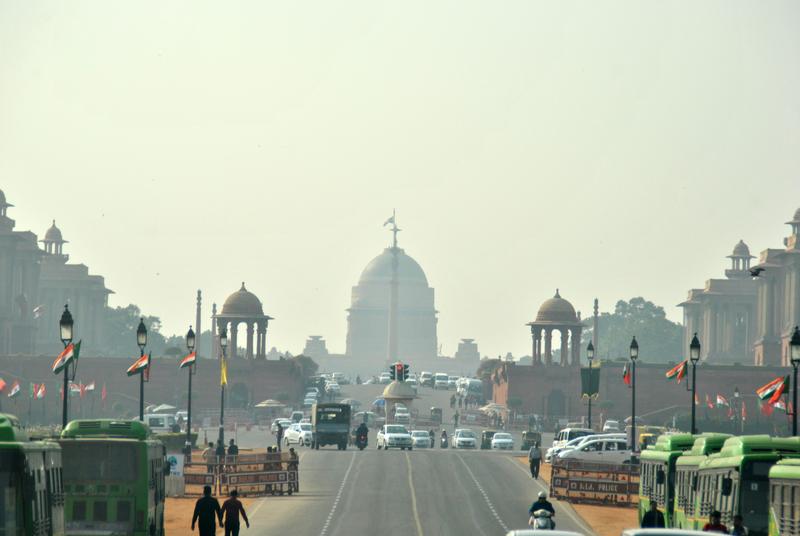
x=223, y=371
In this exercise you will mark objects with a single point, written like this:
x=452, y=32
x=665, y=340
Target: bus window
x=90, y=461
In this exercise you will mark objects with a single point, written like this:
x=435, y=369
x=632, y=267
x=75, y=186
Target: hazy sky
x=610, y=149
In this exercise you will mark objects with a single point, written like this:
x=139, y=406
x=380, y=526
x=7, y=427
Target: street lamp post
x=65, y=326
x=634, y=356
x=737, y=407
x=190, y=341
x=590, y=357
x=694, y=357
x=223, y=342
x=794, y=348
x=141, y=340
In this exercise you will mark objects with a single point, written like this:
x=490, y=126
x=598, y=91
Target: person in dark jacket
x=208, y=512
x=233, y=450
x=232, y=508
x=653, y=518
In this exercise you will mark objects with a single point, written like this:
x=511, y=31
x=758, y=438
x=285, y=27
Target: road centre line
x=413, y=497
x=338, y=497
x=483, y=492
x=567, y=509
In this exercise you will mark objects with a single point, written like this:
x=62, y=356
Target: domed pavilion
x=244, y=307
x=556, y=314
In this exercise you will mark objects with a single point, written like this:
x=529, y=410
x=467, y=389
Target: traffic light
x=405, y=371
x=399, y=372
x=392, y=372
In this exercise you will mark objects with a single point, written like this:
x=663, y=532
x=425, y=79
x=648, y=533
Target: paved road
x=421, y=492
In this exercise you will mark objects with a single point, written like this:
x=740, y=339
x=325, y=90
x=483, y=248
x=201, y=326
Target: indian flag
x=722, y=401
x=15, y=389
x=41, y=391
x=90, y=386
x=72, y=351
x=139, y=365
x=678, y=371
x=2, y=384
x=773, y=390
x=188, y=360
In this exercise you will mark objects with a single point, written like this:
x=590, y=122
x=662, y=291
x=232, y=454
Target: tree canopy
x=120, y=332
x=660, y=339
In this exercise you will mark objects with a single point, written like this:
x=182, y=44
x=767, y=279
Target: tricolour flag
x=678, y=371
x=626, y=375
x=188, y=360
x=15, y=389
x=103, y=393
x=2, y=385
x=708, y=402
x=722, y=401
x=766, y=391
x=72, y=351
x=223, y=371
x=90, y=386
x=780, y=404
x=744, y=411
x=140, y=365
x=74, y=388
x=41, y=392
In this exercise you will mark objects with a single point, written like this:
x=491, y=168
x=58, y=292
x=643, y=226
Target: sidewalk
x=604, y=520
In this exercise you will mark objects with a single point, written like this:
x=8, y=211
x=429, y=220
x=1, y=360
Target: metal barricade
x=609, y=484
x=250, y=474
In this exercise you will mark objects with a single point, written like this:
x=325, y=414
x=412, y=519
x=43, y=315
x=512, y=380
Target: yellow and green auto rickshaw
x=486, y=439
x=530, y=438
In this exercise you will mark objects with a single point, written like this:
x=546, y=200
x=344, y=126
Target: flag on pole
x=82, y=390
x=2, y=385
x=223, y=371
x=722, y=401
x=71, y=352
x=41, y=392
x=744, y=411
x=139, y=365
x=32, y=387
x=14, y=389
x=780, y=404
x=766, y=391
x=678, y=371
x=90, y=386
x=147, y=369
x=103, y=394
x=708, y=402
x=626, y=375
x=38, y=311
x=188, y=360
x=696, y=400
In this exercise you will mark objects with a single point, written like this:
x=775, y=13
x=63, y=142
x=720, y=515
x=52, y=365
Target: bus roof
x=10, y=429
x=668, y=446
x=705, y=444
x=115, y=428
x=788, y=468
x=762, y=447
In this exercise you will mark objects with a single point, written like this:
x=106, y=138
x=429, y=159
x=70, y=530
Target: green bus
x=736, y=480
x=784, y=498
x=31, y=495
x=686, y=469
x=657, y=472
x=114, y=478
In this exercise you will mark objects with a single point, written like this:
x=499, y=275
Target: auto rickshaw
x=436, y=416
x=486, y=439
x=531, y=438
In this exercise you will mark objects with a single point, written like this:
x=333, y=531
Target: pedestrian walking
x=233, y=450
x=208, y=455
x=207, y=512
x=231, y=510
x=653, y=518
x=279, y=435
x=535, y=459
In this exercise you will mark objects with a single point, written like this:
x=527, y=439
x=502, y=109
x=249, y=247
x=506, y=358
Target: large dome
x=242, y=302
x=741, y=250
x=556, y=309
x=379, y=270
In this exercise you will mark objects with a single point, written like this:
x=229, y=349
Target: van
x=159, y=423
x=426, y=379
x=608, y=450
x=568, y=434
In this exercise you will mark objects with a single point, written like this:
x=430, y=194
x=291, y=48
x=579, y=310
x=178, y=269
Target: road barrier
x=608, y=484
x=250, y=474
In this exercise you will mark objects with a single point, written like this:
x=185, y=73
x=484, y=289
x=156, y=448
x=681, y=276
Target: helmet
x=542, y=495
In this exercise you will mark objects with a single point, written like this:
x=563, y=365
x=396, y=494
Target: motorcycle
x=542, y=520
x=443, y=443
x=361, y=441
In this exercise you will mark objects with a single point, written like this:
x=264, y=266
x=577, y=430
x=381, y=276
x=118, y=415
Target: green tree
x=659, y=338
x=487, y=368
x=306, y=366
x=119, y=329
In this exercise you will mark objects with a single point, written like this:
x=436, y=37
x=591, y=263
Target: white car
x=606, y=450
x=402, y=416
x=333, y=388
x=421, y=439
x=300, y=433
x=394, y=436
x=308, y=402
x=577, y=442
x=384, y=378
x=465, y=439
x=413, y=384
x=611, y=426
x=284, y=423
x=440, y=381
x=502, y=441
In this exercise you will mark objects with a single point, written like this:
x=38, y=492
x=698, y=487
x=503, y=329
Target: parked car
x=394, y=436
x=160, y=423
x=299, y=433
x=421, y=439
x=464, y=439
x=282, y=421
x=611, y=426
x=502, y=441
x=401, y=415
x=600, y=450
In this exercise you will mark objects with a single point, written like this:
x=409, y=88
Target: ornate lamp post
x=223, y=342
x=141, y=340
x=694, y=357
x=190, y=341
x=738, y=408
x=65, y=325
x=634, y=357
x=794, y=348
x=590, y=357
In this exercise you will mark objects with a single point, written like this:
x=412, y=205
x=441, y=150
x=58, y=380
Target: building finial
x=394, y=228
x=242, y=289
x=557, y=294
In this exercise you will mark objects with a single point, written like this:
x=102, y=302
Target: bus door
x=754, y=496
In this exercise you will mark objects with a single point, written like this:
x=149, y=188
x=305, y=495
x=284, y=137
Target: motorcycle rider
x=362, y=431
x=543, y=504
x=444, y=439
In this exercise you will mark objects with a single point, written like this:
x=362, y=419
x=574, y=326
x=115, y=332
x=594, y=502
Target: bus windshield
x=99, y=461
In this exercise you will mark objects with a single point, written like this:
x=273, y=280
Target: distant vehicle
x=426, y=379
x=470, y=386
x=401, y=415
x=299, y=433
x=308, y=402
x=394, y=436
x=384, y=378
x=452, y=382
x=464, y=439
x=502, y=441
x=280, y=421
x=577, y=442
x=611, y=426
x=568, y=434
x=331, y=425
x=107, y=462
x=413, y=384
x=659, y=532
x=312, y=394
x=600, y=450
x=531, y=532
x=314, y=390
x=160, y=424
x=297, y=416
x=421, y=439
x=333, y=388
x=181, y=415
x=371, y=418
x=31, y=484
x=440, y=381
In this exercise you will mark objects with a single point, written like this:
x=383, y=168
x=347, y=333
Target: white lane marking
x=338, y=497
x=483, y=492
x=413, y=497
x=567, y=509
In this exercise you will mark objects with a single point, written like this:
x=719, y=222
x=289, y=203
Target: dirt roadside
x=604, y=520
x=178, y=515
